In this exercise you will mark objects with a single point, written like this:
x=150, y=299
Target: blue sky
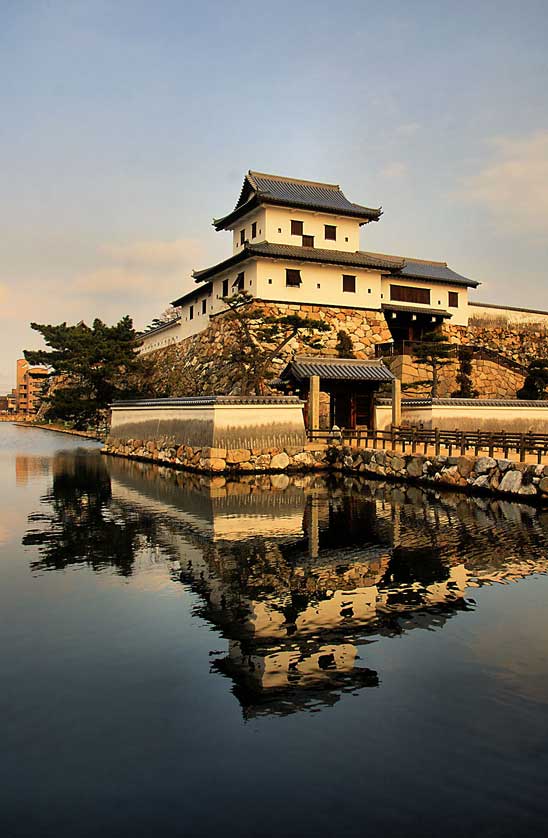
x=126, y=126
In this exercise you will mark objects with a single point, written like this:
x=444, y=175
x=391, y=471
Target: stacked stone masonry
x=477, y=475
x=195, y=365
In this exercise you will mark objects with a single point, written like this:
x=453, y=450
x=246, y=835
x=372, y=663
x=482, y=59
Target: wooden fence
x=415, y=440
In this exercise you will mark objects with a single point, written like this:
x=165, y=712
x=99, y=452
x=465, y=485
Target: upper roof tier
x=259, y=188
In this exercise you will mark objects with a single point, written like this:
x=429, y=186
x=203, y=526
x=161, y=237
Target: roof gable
x=260, y=188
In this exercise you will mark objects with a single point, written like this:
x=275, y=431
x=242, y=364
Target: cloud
x=394, y=170
x=513, y=186
x=407, y=129
x=156, y=255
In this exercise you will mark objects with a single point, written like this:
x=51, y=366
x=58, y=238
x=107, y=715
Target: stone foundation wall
x=476, y=475
x=167, y=451
x=517, y=342
x=195, y=367
x=491, y=380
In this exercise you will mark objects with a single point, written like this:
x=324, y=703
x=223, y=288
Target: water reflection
x=81, y=522
x=297, y=574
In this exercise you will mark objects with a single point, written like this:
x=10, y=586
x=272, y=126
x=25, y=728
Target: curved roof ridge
x=285, y=179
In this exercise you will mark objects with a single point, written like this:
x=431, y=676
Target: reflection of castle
x=298, y=573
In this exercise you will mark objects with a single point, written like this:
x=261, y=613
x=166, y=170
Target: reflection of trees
x=81, y=525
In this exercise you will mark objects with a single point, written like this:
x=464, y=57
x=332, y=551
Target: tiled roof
x=205, y=401
x=438, y=312
x=423, y=269
x=192, y=295
x=398, y=266
x=356, y=259
x=260, y=188
x=514, y=403
x=337, y=369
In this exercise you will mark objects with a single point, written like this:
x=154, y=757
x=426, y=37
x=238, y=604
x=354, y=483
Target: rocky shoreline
x=474, y=475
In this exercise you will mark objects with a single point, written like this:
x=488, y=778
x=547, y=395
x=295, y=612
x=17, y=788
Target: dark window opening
x=349, y=283
x=191, y=313
x=406, y=294
x=308, y=241
x=330, y=232
x=225, y=287
x=204, y=306
x=292, y=278
x=242, y=236
x=296, y=228
x=254, y=230
x=239, y=282
x=453, y=299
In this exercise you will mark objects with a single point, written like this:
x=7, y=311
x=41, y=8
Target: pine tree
x=345, y=346
x=435, y=352
x=257, y=339
x=90, y=366
x=536, y=382
x=464, y=376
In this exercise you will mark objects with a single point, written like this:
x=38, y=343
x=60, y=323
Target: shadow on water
x=296, y=573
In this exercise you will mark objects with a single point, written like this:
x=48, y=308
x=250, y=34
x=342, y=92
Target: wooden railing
x=435, y=441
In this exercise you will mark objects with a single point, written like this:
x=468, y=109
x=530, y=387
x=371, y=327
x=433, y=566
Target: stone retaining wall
x=167, y=451
x=195, y=366
x=476, y=475
x=473, y=474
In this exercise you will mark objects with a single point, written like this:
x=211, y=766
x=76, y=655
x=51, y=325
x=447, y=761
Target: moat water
x=285, y=657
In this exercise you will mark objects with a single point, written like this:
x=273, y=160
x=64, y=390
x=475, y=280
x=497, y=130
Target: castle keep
x=296, y=249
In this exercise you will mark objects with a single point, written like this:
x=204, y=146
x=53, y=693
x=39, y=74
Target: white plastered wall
x=271, y=285
x=279, y=218
x=439, y=297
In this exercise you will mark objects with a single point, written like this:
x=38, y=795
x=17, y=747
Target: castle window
x=191, y=313
x=239, y=282
x=330, y=232
x=406, y=294
x=308, y=241
x=204, y=306
x=296, y=228
x=349, y=283
x=242, y=236
x=453, y=299
x=292, y=278
x=254, y=230
x=225, y=287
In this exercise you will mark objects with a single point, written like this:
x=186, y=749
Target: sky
x=127, y=126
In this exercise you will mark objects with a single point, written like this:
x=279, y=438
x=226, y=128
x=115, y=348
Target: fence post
x=522, y=448
x=413, y=440
x=437, y=442
x=491, y=445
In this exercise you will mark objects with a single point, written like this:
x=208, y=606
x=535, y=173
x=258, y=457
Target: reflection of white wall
x=281, y=669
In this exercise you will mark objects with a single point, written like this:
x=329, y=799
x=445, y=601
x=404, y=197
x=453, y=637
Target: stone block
x=414, y=467
x=543, y=485
x=465, y=466
x=511, y=482
x=214, y=453
x=304, y=458
x=484, y=465
x=279, y=461
x=239, y=455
